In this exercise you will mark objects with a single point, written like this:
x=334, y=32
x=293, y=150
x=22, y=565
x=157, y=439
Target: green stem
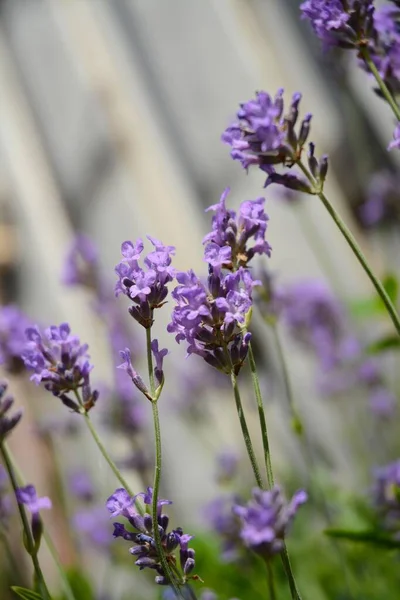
x=41, y=583
x=261, y=416
x=261, y=413
x=386, y=93
x=270, y=580
x=356, y=250
x=245, y=431
x=157, y=473
x=105, y=454
x=110, y=461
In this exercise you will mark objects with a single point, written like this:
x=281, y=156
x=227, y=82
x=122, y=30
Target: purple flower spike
x=264, y=136
x=145, y=287
x=266, y=518
x=61, y=363
x=7, y=422
x=144, y=549
x=27, y=495
x=337, y=23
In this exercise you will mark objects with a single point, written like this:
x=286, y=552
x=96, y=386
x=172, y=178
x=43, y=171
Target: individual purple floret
x=81, y=263
x=263, y=136
x=386, y=496
x=226, y=246
x=382, y=202
x=13, y=323
x=266, y=519
x=27, y=495
x=61, y=363
x=141, y=534
x=210, y=318
x=342, y=23
x=395, y=143
x=7, y=421
x=145, y=287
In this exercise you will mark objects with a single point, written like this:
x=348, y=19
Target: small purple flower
x=81, y=263
x=396, y=139
x=27, y=495
x=219, y=515
x=93, y=527
x=145, y=287
x=61, y=363
x=226, y=245
x=144, y=549
x=159, y=358
x=264, y=136
x=13, y=323
x=386, y=496
x=339, y=23
x=7, y=422
x=266, y=519
x=133, y=374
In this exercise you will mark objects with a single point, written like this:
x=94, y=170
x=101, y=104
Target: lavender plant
x=212, y=317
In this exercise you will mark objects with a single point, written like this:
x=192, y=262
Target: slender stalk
x=296, y=420
x=41, y=583
x=157, y=473
x=270, y=580
x=386, y=93
x=245, y=431
x=261, y=416
x=47, y=539
x=356, y=250
x=105, y=454
x=261, y=413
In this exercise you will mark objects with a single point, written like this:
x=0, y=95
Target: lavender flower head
x=226, y=244
x=227, y=465
x=93, y=527
x=13, y=323
x=386, y=496
x=81, y=263
x=218, y=513
x=61, y=363
x=145, y=287
x=7, y=421
x=341, y=23
x=210, y=318
x=266, y=518
x=263, y=136
x=142, y=534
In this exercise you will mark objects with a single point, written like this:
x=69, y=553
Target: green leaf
x=25, y=593
x=390, y=342
x=368, y=537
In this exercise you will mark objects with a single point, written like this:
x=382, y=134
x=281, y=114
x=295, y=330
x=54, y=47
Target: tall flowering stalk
x=213, y=318
x=146, y=288
x=265, y=137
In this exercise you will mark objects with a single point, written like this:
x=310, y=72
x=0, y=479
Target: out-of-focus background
x=111, y=114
